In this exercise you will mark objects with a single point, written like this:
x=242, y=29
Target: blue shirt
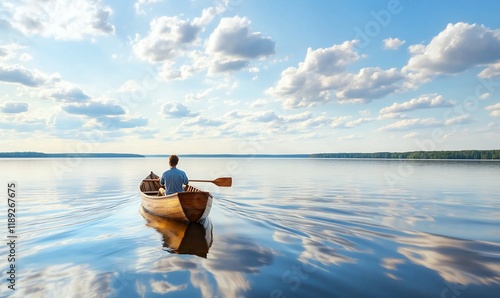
x=173, y=180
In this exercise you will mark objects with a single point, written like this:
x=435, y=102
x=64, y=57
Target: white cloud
x=19, y=74
x=42, y=85
x=298, y=117
x=233, y=39
x=412, y=135
x=63, y=121
x=122, y=122
x=329, y=61
x=322, y=76
x=458, y=120
x=14, y=107
x=62, y=19
x=175, y=110
x=393, y=43
x=259, y=103
x=422, y=102
x=494, y=109
x=168, y=72
x=10, y=51
x=492, y=71
x=140, y=3
x=409, y=124
x=392, y=116
x=357, y=122
x=94, y=109
x=263, y=116
x=21, y=122
x=370, y=83
x=232, y=44
x=457, y=48
x=166, y=39
x=61, y=91
x=202, y=121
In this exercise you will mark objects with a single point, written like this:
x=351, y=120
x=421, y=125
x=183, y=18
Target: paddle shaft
x=222, y=181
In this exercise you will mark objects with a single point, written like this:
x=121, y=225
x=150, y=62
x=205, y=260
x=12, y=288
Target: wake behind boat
x=191, y=205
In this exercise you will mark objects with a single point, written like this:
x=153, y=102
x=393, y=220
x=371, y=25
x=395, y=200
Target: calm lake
x=287, y=228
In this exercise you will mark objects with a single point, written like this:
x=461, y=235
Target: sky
x=249, y=77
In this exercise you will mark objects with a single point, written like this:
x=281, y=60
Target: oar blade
x=223, y=181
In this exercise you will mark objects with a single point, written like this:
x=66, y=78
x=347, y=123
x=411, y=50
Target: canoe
x=180, y=237
x=191, y=205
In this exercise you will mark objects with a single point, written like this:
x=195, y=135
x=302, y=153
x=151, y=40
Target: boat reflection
x=182, y=237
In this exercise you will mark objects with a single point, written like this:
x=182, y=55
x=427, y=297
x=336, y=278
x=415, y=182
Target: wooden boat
x=180, y=237
x=191, y=205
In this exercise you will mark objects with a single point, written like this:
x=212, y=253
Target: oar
x=222, y=181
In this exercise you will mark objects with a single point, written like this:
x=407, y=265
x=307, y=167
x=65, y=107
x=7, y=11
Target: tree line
x=461, y=154
x=30, y=154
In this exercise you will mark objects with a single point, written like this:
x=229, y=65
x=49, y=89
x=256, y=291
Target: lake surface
x=287, y=228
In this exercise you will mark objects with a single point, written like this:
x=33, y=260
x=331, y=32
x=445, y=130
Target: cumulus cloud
x=175, y=110
x=169, y=72
x=19, y=74
x=94, y=109
x=63, y=92
x=370, y=83
x=457, y=48
x=393, y=43
x=63, y=19
x=323, y=76
x=233, y=38
x=423, y=102
x=13, y=107
x=492, y=71
x=167, y=37
x=42, y=85
x=233, y=44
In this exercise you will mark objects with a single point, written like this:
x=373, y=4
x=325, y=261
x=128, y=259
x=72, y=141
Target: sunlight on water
x=287, y=227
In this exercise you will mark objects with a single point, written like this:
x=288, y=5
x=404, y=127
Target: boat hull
x=191, y=205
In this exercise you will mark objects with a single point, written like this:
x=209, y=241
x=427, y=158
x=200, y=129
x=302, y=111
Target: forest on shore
x=30, y=154
x=461, y=154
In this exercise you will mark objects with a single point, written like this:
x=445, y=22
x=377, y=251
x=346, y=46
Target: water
x=287, y=228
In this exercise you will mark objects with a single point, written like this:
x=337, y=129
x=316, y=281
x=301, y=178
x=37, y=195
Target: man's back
x=173, y=180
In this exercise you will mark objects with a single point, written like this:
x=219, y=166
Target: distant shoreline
x=411, y=155
x=67, y=155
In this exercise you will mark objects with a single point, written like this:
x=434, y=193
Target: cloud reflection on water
x=455, y=260
x=225, y=273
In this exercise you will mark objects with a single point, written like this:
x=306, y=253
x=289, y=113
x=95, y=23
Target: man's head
x=173, y=160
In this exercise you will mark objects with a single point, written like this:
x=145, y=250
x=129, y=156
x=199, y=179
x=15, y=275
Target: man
x=173, y=179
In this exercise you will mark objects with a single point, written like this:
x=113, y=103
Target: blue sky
x=239, y=76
